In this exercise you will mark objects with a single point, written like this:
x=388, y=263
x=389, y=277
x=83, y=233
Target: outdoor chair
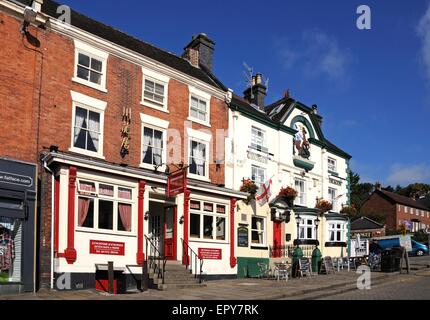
x=264, y=271
x=282, y=271
x=347, y=263
x=327, y=265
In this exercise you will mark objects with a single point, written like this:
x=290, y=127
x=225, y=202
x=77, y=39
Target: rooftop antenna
x=266, y=84
x=249, y=75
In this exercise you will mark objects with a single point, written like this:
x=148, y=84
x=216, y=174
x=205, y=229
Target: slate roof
x=396, y=198
x=364, y=223
x=122, y=39
x=284, y=106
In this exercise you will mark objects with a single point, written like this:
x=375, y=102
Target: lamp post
x=298, y=253
x=316, y=254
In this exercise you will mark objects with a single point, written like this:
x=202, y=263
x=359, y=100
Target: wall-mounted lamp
x=30, y=15
x=147, y=213
x=181, y=220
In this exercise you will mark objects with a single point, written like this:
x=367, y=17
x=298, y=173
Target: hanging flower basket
x=349, y=210
x=288, y=194
x=250, y=187
x=324, y=206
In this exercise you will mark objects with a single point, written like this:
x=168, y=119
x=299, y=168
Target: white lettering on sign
x=16, y=179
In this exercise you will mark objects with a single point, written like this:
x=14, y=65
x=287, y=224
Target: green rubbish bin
x=297, y=255
x=316, y=260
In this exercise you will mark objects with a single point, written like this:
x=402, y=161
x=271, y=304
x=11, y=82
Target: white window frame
x=304, y=225
x=259, y=169
x=115, y=199
x=203, y=96
x=213, y=214
x=300, y=194
x=102, y=56
x=332, y=166
x=160, y=79
x=264, y=232
x=332, y=226
x=254, y=140
x=204, y=138
x=333, y=199
x=94, y=105
x=155, y=124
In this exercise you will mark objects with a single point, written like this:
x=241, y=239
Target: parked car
x=418, y=249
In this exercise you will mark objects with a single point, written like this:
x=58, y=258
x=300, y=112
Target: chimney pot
x=257, y=93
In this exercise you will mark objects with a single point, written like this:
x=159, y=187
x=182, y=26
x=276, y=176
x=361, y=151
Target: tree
x=359, y=191
x=415, y=190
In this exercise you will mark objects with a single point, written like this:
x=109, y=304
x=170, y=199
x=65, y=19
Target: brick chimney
x=200, y=51
x=257, y=93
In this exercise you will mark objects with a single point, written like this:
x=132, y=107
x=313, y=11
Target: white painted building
x=262, y=147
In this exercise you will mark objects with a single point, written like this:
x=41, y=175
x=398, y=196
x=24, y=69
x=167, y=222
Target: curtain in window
x=260, y=229
x=125, y=214
x=106, y=190
x=158, y=147
x=199, y=158
x=83, y=207
x=124, y=193
x=94, y=129
x=147, y=138
x=79, y=123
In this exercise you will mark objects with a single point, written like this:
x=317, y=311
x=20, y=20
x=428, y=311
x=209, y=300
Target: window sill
x=335, y=244
x=105, y=232
x=89, y=84
x=203, y=123
x=152, y=167
x=333, y=173
x=198, y=240
x=154, y=106
x=87, y=153
x=259, y=247
x=197, y=177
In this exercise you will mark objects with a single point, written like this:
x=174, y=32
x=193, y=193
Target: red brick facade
x=36, y=110
x=394, y=213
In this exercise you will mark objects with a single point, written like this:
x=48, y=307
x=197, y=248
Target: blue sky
x=371, y=86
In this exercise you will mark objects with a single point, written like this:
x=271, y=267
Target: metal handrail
x=157, y=261
x=185, y=249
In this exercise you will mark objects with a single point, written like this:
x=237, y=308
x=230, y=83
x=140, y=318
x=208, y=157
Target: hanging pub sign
x=177, y=183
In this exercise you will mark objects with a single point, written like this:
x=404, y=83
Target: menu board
x=242, y=237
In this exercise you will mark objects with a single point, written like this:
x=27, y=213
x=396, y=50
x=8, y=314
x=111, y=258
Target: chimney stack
x=37, y=5
x=200, y=51
x=257, y=93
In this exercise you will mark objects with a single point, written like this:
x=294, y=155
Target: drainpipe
x=52, y=218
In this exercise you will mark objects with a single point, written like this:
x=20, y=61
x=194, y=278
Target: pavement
x=340, y=285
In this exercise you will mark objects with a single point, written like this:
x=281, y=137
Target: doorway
x=162, y=228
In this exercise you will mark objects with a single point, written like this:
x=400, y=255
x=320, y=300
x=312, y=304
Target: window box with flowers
x=289, y=194
x=250, y=187
x=324, y=206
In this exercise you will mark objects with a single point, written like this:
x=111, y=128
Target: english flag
x=265, y=193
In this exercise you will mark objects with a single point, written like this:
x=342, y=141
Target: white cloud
x=317, y=53
x=423, y=31
x=405, y=175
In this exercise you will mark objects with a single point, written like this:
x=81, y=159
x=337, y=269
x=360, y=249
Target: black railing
x=286, y=251
x=156, y=261
x=191, y=258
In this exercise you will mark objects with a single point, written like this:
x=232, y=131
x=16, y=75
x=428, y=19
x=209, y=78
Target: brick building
x=397, y=210
x=107, y=118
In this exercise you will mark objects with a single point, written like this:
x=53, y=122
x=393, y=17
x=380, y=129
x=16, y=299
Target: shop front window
x=10, y=250
x=105, y=207
x=207, y=220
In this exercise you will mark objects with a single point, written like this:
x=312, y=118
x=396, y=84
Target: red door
x=277, y=239
x=170, y=233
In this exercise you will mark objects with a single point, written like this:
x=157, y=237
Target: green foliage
x=415, y=190
x=421, y=237
x=359, y=191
